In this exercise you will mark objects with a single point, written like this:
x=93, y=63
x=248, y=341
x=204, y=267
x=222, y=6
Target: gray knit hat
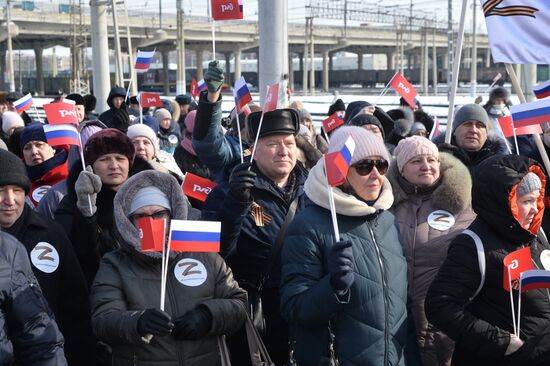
x=149, y=196
x=531, y=182
x=470, y=112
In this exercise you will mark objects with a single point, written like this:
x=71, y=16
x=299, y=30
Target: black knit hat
x=77, y=98
x=276, y=121
x=336, y=106
x=108, y=141
x=12, y=171
x=368, y=119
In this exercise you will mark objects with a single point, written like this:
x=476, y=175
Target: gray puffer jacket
x=425, y=245
x=128, y=282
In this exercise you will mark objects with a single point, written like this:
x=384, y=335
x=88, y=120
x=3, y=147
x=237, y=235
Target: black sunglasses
x=364, y=167
x=159, y=215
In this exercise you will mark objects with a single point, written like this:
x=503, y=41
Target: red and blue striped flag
x=534, y=279
x=23, y=103
x=195, y=236
x=337, y=163
x=201, y=87
x=61, y=135
x=533, y=113
x=143, y=60
x=542, y=90
x=241, y=93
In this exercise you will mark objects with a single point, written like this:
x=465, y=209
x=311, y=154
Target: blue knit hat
x=33, y=132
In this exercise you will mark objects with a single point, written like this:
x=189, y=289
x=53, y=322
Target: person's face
x=134, y=107
x=117, y=102
x=499, y=101
x=421, y=133
x=367, y=184
x=112, y=169
x=184, y=108
x=422, y=170
x=3, y=108
x=144, y=147
x=165, y=123
x=154, y=211
x=36, y=152
x=12, y=202
x=527, y=208
x=10, y=107
x=307, y=122
x=276, y=156
x=80, y=112
x=375, y=130
x=471, y=135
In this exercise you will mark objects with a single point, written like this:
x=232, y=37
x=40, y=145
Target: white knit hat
x=366, y=143
x=10, y=120
x=142, y=130
x=411, y=147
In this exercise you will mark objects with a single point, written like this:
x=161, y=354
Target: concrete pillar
x=3, y=69
x=304, y=67
x=291, y=71
x=390, y=62
x=325, y=71
x=100, y=54
x=434, y=64
x=39, y=70
x=228, y=79
x=330, y=62
x=54, y=71
x=312, y=66
x=166, y=71
x=238, y=55
x=360, y=60
x=488, y=57
x=199, y=56
x=273, y=44
x=180, y=49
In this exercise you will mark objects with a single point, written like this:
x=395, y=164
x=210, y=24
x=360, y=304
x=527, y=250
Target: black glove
x=340, y=265
x=155, y=322
x=121, y=120
x=213, y=77
x=241, y=181
x=194, y=324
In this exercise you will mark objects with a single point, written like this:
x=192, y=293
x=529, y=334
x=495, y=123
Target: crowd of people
x=413, y=277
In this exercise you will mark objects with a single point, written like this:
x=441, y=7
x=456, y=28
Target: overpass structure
x=424, y=47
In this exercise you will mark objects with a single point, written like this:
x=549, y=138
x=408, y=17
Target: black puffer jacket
x=493, y=146
x=116, y=117
x=28, y=332
x=481, y=327
x=128, y=282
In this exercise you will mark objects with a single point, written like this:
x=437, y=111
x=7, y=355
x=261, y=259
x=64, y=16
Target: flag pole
x=515, y=139
x=128, y=90
x=165, y=273
x=512, y=300
x=332, y=207
x=213, y=39
x=385, y=90
x=140, y=109
x=258, y=133
x=239, y=131
x=519, y=308
x=38, y=116
x=521, y=96
x=456, y=70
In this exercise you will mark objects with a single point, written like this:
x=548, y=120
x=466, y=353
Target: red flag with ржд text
x=518, y=261
x=152, y=234
x=334, y=121
x=150, y=100
x=227, y=9
x=271, y=98
x=61, y=113
x=197, y=187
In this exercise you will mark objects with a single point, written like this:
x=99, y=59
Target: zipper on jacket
x=384, y=293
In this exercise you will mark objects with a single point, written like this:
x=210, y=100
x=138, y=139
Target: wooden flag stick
x=521, y=96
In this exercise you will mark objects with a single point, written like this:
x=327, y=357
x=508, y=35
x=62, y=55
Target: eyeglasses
x=159, y=215
x=364, y=167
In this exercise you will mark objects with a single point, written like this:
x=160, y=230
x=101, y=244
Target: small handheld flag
x=518, y=261
x=542, y=90
x=271, y=98
x=23, y=103
x=334, y=121
x=195, y=236
x=152, y=234
x=194, y=88
x=241, y=93
x=143, y=60
x=197, y=187
x=201, y=86
x=533, y=113
x=534, y=279
x=61, y=135
x=507, y=127
x=405, y=89
x=435, y=129
x=61, y=113
x=150, y=100
x=227, y=9
x=337, y=163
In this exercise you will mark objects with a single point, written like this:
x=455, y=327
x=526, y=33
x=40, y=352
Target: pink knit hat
x=366, y=143
x=411, y=147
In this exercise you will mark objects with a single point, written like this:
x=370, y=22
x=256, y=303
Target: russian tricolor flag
x=337, y=163
x=534, y=279
x=144, y=59
x=241, y=93
x=533, y=113
x=202, y=86
x=23, y=103
x=435, y=129
x=542, y=90
x=61, y=135
x=195, y=236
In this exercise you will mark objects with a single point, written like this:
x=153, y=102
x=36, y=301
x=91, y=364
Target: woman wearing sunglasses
x=355, y=288
x=432, y=204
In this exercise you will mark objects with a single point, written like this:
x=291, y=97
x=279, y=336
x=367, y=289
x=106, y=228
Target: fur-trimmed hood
x=125, y=195
x=453, y=191
x=345, y=204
